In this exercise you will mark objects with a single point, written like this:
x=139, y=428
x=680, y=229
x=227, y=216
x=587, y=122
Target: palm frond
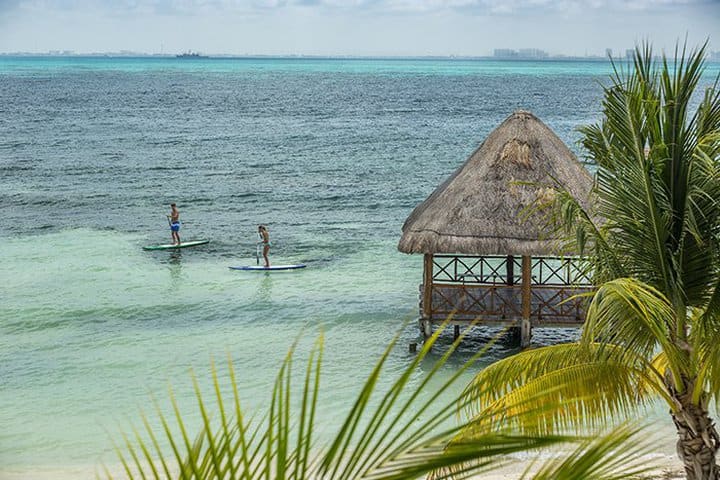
x=637, y=316
x=579, y=229
x=659, y=207
x=600, y=459
x=704, y=338
x=395, y=436
x=559, y=388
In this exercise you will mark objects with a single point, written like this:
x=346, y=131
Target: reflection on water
x=264, y=290
x=174, y=263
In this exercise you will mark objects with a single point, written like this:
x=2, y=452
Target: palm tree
x=402, y=434
x=652, y=241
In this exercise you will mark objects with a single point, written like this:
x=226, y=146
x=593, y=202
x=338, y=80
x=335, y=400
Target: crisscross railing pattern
x=474, y=269
x=462, y=301
x=549, y=304
x=493, y=270
x=560, y=271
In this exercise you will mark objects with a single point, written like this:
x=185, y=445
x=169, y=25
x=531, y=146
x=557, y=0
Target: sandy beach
x=663, y=463
x=666, y=468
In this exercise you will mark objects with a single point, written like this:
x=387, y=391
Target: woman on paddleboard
x=174, y=220
x=265, y=236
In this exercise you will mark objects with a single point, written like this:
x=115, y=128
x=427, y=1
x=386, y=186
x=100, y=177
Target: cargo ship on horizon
x=190, y=54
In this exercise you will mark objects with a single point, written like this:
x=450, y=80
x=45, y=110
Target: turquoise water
x=44, y=65
x=331, y=154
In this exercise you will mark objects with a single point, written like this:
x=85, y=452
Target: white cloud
x=480, y=6
x=356, y=27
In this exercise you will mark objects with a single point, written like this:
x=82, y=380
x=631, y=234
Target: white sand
x=667, y=468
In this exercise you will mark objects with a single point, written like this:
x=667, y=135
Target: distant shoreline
x=172, y=56
x=163, y=56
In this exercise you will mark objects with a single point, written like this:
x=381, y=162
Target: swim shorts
x=175, y=227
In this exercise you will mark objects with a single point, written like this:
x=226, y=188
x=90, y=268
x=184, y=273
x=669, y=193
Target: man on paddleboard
x=174, y=219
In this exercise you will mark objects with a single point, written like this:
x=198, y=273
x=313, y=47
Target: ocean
x=331, y=154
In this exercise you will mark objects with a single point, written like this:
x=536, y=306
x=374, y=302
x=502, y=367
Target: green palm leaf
x=396, y=435
x=556, y=389
x=598, y=458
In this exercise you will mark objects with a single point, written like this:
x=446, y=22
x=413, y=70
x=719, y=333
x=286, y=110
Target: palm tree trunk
x=698, y=441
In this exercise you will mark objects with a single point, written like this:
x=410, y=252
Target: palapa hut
x=487, y=257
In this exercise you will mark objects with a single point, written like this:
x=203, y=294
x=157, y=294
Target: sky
x=354, y=27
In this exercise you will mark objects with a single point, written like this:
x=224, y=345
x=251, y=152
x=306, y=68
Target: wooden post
x=427, y=328
x=427, y=285
x=427, y=294
x=525, y=325
x=510, y=270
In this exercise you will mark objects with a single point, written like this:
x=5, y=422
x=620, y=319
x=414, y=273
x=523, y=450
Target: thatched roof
x=481, y=208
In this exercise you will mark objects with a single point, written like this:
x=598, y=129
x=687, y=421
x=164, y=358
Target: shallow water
x=331, y=154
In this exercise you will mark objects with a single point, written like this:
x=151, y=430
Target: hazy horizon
x=592, y=56
x=354, y=27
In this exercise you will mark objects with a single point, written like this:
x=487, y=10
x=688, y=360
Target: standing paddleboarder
x=265, y=236
x=174, y=221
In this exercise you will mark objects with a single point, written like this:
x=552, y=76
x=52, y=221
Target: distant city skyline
x=498, y=54
x=356, y=27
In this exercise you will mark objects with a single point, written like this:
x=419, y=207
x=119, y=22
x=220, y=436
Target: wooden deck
x=503, y=291
x=550, y=305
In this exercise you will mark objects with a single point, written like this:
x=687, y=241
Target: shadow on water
x=496, y=342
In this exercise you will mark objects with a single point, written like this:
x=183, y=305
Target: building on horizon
x=523, y=53
x=504, y=53
x=532, y=53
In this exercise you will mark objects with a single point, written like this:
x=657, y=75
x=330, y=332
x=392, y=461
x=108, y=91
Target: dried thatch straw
x=482, y=209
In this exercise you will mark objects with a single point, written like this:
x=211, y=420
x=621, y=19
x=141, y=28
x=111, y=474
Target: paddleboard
x=260, y=268
x=169, y=246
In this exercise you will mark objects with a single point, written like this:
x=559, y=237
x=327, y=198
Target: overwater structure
x=489, y=256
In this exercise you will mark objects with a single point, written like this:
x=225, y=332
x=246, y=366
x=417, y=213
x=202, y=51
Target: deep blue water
x=102, y=142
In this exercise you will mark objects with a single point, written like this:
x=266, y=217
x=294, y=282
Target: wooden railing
x=560, y=271
x=550, y=304
x=491, y=270
x=507, y=270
